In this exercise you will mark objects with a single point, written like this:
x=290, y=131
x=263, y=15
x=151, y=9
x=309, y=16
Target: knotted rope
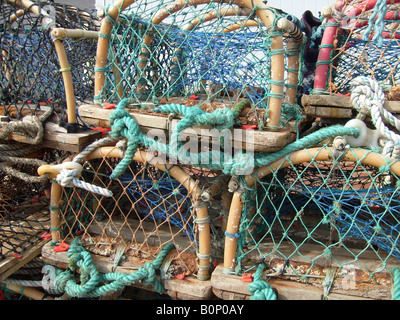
x=124, y=126
x=70, y=171
x=396, y=284
x=93, y=284
x=32, y=129
x=260, y=289
x=368, y=98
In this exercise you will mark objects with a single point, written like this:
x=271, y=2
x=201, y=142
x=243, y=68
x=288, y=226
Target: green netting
x=213, y=62
x=309, y=217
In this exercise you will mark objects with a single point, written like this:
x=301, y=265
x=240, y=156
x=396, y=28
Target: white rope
x=368, y=98
x=68, y=178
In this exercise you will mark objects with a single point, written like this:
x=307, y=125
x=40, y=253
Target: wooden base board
x=260, y=141
x=11, y=264
x=352, y=281
x=22, y=233
x=337, y=106
x=72, y=142
x=189, y=288
x=231, y=287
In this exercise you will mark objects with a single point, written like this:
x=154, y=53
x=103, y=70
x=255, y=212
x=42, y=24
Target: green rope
x=260, y=289
x=123, y=125
x=396, y=284
x=93, y=284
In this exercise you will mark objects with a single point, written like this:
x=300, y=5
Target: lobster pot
x=152, y=205
x=363, y=42
x=316, y=220
x=31, y=68
x=208, y=54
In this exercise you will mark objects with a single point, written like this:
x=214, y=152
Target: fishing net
x=24, y=202
x=212, y=54
x=151, y=206
x=332, y=211
x=31, y=77
x=363, y=40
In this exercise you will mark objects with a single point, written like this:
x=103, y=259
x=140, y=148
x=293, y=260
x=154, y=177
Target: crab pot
x=203, y=53
x=39, y=70
x=153, y=203
x=314, y=219
x=351, y=46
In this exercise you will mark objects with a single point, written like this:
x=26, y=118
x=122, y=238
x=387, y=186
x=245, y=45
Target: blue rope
x=377, y=22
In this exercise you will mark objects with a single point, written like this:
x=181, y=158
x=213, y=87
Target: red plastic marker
x=108, y=105
x=45, y=236
x=249, y=126
x=247, y=277
x=17, y=255
x=61, y=247
x=180, y=276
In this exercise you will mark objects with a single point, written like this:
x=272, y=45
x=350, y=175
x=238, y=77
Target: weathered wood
x=231, y=287
x=189, y=287
x=23, y=231
x=140, y=232
x=260, y=141
x=73, y=142
x=339, y=101
x=11, y=264
x=328, y=112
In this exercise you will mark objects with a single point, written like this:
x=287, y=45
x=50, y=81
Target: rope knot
x=66, y=177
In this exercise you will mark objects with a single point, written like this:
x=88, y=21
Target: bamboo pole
x=241, y=24
x=55, y=212
x=67, y=78
x=28, y=292
x=215, y=14
x=226, y=199
x=232, y=229
x=63, y=33
x=292, y=48
x=103, y=44
x=59, y=34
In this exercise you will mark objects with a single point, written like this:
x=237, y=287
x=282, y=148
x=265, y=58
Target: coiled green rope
x=123, y=125
x=260, y=289
x=93, y=284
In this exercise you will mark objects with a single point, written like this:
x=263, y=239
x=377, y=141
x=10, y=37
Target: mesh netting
x=24, y=214
x=363, y=37
x=307, y=218
x=208, y=54
x=148, y=210
x=30, y=74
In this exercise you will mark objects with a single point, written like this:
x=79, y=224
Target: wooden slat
x=231, y=287
x=72, y=142
x=11, y=264
x=144, y=232
x=189, y=287
x=361, y=287
x=262, y=141
x=339, y=101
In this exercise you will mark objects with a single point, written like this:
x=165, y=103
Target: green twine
x=396, y=284
x=93, y=284
x=259, y=289
x=123, y=125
